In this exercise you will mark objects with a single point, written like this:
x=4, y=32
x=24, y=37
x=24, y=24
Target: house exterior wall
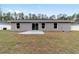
x=64, y=27
x=4, y=25
x=23, y=27
x=48, y=27
x=60, y=27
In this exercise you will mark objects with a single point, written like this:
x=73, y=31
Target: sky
x=48, y=9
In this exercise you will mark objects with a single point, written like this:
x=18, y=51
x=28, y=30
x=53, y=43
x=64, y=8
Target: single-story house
x=44, y=25
x=5, y=26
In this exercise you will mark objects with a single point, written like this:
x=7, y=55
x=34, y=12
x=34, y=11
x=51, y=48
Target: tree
x=3, y=16
x=45, y=17
x=40, y=16
x=52, y=17
x=62, y=17
x=26, y=17
x=21, y=16
x=30, y=16
x=8, y=16
x=69, y=18
x=0, y=14
x=34, y=17
x=77, y=16
x=15, y=16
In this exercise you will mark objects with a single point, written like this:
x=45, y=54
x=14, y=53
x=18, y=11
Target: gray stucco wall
x=64, y=27
x=23, y=27
x=48, y=27
x=60, y=27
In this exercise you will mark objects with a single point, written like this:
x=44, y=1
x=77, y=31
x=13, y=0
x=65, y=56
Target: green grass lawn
x=51, y=42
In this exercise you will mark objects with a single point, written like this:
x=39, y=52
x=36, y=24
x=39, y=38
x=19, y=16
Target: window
x=18, y=25
x=43, y=25
x=34, y=26
x=55, y=25
x=4, y=28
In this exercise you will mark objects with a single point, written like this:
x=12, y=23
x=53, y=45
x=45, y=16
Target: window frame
x=55, y=25
x=18, y=25
x=43, y=25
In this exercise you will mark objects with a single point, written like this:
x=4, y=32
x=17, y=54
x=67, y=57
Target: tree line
x=21, y=16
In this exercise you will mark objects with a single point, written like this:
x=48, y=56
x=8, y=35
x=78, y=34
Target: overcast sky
x=48, y=9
